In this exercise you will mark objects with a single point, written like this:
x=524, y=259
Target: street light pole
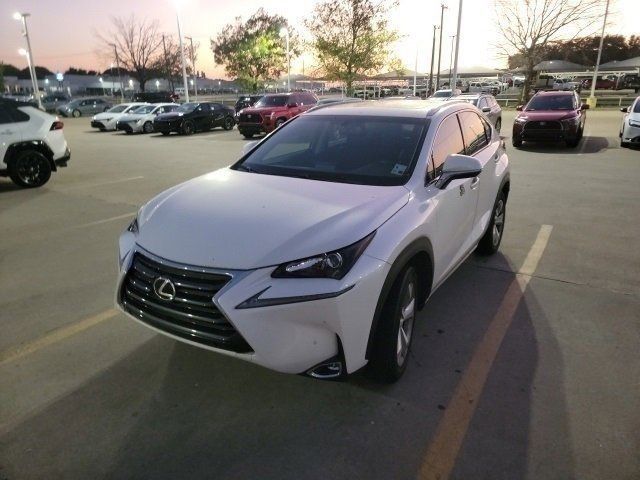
x=433, y=52
x=193, y=67
x=442, y=7
x=32, y=68
x=455, y=61
x=284, y=31
x=184, y=65
x=592, y=98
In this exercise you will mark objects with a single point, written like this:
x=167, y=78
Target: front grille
x=191, y=314
x=542, y=125
x=250, y=118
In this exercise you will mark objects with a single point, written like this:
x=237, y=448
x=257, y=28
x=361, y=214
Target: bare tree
x=138, y=43
x=528, y=26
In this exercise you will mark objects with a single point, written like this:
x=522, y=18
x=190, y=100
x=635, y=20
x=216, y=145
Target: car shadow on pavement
x=588, y=144
x=169, y=410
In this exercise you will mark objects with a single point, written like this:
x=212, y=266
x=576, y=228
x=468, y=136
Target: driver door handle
x=474, y=183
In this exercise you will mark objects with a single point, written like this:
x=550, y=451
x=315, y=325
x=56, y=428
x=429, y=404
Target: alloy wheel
x=31, y=169
x=498, y=222
x=405, y=327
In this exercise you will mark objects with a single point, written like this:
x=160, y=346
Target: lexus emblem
x=164, y=289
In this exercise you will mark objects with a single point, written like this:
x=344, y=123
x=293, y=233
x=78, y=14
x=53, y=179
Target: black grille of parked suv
x=184, y=308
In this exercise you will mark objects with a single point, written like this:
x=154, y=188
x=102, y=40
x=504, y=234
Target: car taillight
x=57, y=125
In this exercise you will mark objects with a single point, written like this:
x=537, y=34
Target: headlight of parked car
x=634, y=123
x=521, y=119
x=335, y=264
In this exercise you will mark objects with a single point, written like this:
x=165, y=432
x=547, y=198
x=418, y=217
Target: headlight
x=335, y=264
x=521, y=120
x=133, y=226
x=634, y=123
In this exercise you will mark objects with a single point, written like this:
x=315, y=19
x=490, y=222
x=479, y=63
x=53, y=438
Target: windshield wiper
x=245, y=168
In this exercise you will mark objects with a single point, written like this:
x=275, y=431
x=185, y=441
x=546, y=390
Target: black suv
x=195, y=116
x=246, y=101
x=155, y=97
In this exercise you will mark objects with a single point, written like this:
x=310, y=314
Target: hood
x=107, y=115
x=169, y=116
x=240, y=220
x=547, y=115
x=264, y=110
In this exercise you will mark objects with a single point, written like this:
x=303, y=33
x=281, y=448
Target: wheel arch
x=37, y=145
x=418, y=253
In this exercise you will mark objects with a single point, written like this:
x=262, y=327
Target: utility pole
x=433, y=53
x=415, y=73
x=184, y=64
x=592, y=98
x=451, y=85
x=194, y=73
x=442, y=7
x=115, y=51
x=31, y=63
x=455, y=61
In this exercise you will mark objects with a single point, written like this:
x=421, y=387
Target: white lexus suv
x=32, y=144
x=108, y=120
x=313, y=253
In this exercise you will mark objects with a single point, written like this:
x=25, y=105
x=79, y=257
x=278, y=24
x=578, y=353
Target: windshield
x=366, y=150
x=187, y=107
x=636, y=108
x=118, y=109
x=553, y=102
x=144, y=109
x=444, y=93
x=274, y=101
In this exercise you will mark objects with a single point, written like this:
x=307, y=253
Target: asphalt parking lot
x=525, y=365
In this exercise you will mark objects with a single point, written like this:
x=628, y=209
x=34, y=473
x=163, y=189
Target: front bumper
x=631, y=134
x=251, y=128
x=98, y=124
x=297, y=333
x=550, y=131
x=167, y=127
x=129, y=127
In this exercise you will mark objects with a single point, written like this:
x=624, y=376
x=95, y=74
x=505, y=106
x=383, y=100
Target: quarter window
x=473, y=132
x=448, y=141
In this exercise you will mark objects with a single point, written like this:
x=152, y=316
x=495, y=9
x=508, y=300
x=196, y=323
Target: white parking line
x=111, y=182
x=106, y=220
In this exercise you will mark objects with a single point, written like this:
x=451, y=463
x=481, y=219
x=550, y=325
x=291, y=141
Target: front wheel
x=164, y=134
x=76, y=113
x=280, y=122
x=30, y=169
x=392, y=342
x=147, y=127
x=228, y=123
x=247, y=135
x=187, y=128
x=490, y=241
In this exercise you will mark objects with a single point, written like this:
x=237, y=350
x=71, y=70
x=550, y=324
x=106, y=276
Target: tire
x=228, y=123
x=147, y=127
x=392, y=341
x=187, y=128
x=516, y=142
x=490, y=241
x=247, y=135
x=30, y=169
x=573, y=143
x=624, y=144
x=498, y=125
x=279, y=122
x=165, y=133
x=76, y=113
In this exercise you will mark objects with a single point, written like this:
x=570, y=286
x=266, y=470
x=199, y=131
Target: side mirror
x=292, y=105
x=584, y=106
x=624, y=109
x=247, y=147
x=486, y=109
x=457, y=167
x=519, y=108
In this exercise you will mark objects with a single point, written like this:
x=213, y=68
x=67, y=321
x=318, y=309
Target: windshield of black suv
x=187, y=107
x=551, y=102
x=366, y=150
x=144, y=109
x=273, y=101
x=118, y=109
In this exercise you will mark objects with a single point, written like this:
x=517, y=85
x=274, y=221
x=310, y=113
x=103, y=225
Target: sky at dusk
x=64, y=33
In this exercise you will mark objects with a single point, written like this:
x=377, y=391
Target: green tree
x=253, y=51
x=352, y=38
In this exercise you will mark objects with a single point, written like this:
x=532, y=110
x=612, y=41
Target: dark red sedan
x=550, y=116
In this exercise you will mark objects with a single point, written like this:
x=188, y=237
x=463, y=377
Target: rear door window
x=473, y=132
